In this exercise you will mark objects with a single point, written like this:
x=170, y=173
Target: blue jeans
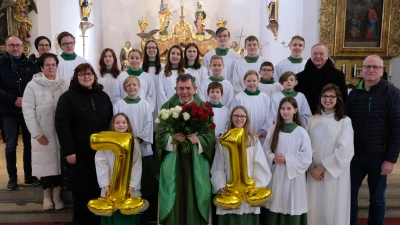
x=360, y=167
x=10, y=130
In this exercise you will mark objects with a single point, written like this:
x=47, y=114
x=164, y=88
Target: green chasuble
x=184, y=196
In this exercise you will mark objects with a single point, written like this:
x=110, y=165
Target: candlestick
x=355, y=70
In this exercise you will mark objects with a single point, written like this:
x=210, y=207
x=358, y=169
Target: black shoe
x=12, y=184
x=32, y=180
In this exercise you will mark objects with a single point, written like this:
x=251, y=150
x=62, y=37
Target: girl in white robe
x=147, y=90
x=104, y=161
x=109, y=71
x=289, y=154
x=217, y=66
x=192, y=64
x=328, y=180
x=229, y=56
x=167, y=81
x=139, y=113
x=288, y=81
x=257, y=103
x=257, y=169
x=68, y=60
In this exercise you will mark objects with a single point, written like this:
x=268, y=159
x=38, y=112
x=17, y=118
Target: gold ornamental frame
x=332, y=32
x=11, y=27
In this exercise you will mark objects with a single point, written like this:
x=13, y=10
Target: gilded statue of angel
x=85, y=9
x=21, y=10
x=163, y=14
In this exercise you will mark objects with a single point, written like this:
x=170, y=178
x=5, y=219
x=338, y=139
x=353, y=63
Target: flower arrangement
x=188, y=119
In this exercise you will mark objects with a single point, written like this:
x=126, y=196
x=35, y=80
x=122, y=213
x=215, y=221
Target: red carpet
x=388, y=221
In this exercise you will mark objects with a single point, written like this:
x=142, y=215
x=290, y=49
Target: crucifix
x=240, y=37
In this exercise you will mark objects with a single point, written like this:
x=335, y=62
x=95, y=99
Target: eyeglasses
x=85, y=74
x=50, y=65
x=267, y=70
x=331, y=97
x=68, y=44
x=14, y=46
x=367, y=67
x=239, y=116
x=151, y=48
x=44, y=45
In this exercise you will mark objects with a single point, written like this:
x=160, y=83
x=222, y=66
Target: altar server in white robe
x=250, y=62
x=216, y=66
x=328, y=180
x=257, y=169
x=109, y=71
x=215, y=92
x=139, y=113
x=289, y=155
x=267, y=83
x=167, y=81
x=104, y=161
x=153, y=66
x=229, y=56
x=288, y=81
x=294, y=62
x=147, y=90
x=193, y=66
x=68, y=59
x=257, y=103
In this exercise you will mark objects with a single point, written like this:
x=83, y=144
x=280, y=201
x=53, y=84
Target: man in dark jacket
x=318, y=72
x=16, y=70
x=374, y=109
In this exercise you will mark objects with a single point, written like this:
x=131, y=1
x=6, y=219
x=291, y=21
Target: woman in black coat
x=82, y=110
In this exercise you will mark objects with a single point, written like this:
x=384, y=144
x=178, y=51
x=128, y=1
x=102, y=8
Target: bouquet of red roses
x=188, y=119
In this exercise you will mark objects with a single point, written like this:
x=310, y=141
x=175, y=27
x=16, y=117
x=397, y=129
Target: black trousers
x=82, y=215
x=51, y=181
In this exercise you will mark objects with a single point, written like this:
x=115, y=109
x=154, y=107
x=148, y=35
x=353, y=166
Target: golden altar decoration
x=348, y=46
x=181, y=34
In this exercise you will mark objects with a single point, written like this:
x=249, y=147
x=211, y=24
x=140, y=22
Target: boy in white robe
x=215, y=92
x=217, y=66
x=294, y=62
x=267, y=83
x=288, y=81
x=250, y=62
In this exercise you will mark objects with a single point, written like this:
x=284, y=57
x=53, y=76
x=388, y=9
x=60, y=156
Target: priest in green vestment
x=185, y=187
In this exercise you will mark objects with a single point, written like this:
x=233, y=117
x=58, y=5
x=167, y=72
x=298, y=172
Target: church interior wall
x=116, y=22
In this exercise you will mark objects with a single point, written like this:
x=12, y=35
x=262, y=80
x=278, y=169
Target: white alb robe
x=166, y=87
x=286, y=65
x=332, y=143
x=227, y=87
x=141, y=120
x=288, y=183
x=302, y=104
x=221, y=119
x=67, y=67
x=229, y=61
x=200, y=75
x=259, y=109
x=270, y=89
x=257, y=169
x=108, y=82
x=147, y=89
x=152, y=72
x=240, y=69
x=104, y=161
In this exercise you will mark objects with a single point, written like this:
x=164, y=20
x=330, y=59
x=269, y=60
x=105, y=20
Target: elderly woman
x=42, y=45
x=38, y=106
x=328, y=180
x=82, y=110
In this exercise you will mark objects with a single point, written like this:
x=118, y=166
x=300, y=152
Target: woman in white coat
x=38, y=105
x=328, y=180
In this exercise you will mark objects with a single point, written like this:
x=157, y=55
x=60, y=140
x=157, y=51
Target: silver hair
x=376, y=57
x=184, y=77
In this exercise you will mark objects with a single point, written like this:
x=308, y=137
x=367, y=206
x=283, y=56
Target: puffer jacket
x=13, y=82
x=38, y=106
x=375, y=116
x=80, y=113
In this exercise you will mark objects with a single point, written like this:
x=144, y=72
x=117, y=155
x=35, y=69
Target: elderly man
x=318, y=72
x=185, y=188
x=16, y=70
x=374, y=109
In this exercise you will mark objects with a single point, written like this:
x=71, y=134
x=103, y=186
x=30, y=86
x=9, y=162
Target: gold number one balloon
x=239, y=187
x=121, y=144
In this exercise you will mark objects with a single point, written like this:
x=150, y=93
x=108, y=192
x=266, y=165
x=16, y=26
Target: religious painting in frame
x=6, y=26
x=361, y=27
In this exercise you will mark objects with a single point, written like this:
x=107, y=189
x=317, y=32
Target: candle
x=355, y=69
x=344, y=68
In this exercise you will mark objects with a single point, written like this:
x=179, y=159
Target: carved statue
x=272, y=11
x=235, y=47
x=24, y=24
x=123, y=56
x=163, y=14
x=85, y=9
x=221, y=23
x=200, y=18
x=143, y=24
